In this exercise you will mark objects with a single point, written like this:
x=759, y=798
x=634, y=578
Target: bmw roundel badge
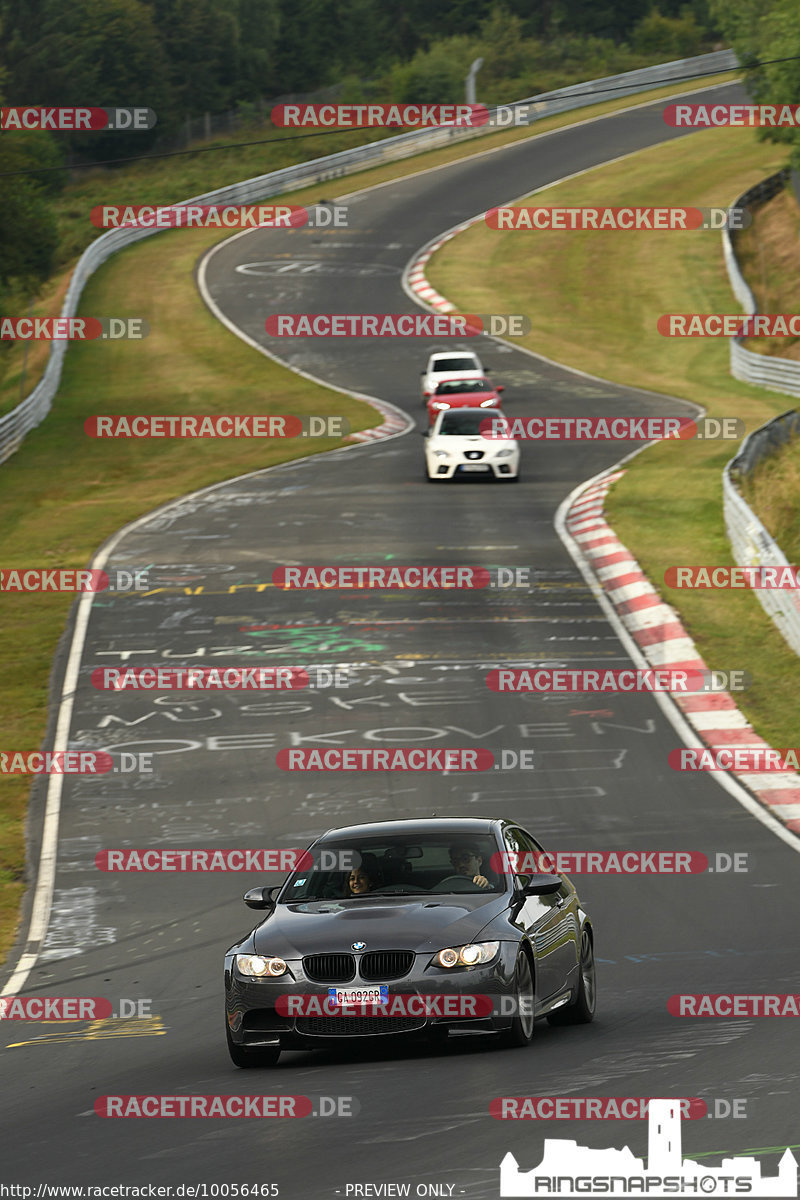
x=358, y=945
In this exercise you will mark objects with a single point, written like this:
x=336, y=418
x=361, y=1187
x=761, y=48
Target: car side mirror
x=261, y=897
x=542, y=885
x=500, y=387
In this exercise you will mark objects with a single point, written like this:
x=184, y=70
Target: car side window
x=519, y=842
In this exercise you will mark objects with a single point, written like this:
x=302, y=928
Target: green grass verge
x=594, y=299
x=62, y=495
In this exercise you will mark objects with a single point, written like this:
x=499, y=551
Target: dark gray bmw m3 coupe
x=410, y=927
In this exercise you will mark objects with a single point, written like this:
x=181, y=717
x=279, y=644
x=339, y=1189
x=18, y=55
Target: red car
x=462, y=393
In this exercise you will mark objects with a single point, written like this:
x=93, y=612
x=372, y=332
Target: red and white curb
x=394, y=422
x=415, y=273
x=657, y=630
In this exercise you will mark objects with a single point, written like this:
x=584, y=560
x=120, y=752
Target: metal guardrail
x=765, y=370
x=751, y=543
x=35, y=407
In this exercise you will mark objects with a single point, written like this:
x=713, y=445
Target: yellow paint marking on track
x=107, y=1027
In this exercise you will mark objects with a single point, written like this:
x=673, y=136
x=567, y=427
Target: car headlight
x=441, y=454
x=488, y=403
x=440, y=404
x=504, y=453
x=471, y=955
x=258, y=966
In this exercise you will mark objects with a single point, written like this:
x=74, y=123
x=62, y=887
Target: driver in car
x=466, y=860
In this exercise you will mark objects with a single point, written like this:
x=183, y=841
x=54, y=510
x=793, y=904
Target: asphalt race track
x=416, y=665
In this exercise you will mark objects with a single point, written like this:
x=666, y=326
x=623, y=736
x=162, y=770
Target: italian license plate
x=474, y=467
x=363, y=995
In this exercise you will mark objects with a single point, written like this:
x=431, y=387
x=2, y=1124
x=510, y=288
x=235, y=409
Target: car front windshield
x=454, y=364
x=404, y=865
x=470, y=423
x=464, y=387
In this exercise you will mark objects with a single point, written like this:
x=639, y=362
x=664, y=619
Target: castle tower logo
x=568, y=1169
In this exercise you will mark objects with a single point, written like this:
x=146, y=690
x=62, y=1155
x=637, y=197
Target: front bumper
x=487, y=467
x=253, y=1021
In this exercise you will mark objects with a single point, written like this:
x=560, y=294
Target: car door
x=551, y=923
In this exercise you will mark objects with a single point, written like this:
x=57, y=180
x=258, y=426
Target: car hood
x=331, y=926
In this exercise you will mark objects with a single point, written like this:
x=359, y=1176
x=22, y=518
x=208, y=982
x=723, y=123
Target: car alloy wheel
x=581, y=1010
x=265, y=1057
x=520, y=1032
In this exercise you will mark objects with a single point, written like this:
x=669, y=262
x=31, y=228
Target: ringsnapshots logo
x=72, y=329
x=569, y=1170
x=217, y=426
x=615, y=218
x=76, y=119
x=397, y=325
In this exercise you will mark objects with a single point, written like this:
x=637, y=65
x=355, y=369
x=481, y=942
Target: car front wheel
x=581, y=1010
x=251, y=1058
x=521, y=1031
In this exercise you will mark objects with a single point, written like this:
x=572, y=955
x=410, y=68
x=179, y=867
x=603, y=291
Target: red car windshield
x=462, y=387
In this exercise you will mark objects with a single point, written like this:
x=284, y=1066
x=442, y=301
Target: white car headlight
x=258, y=966
x=440, y=404
x=504, y=453
x=466, y=956
x=488, y=403
x=441, y=454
